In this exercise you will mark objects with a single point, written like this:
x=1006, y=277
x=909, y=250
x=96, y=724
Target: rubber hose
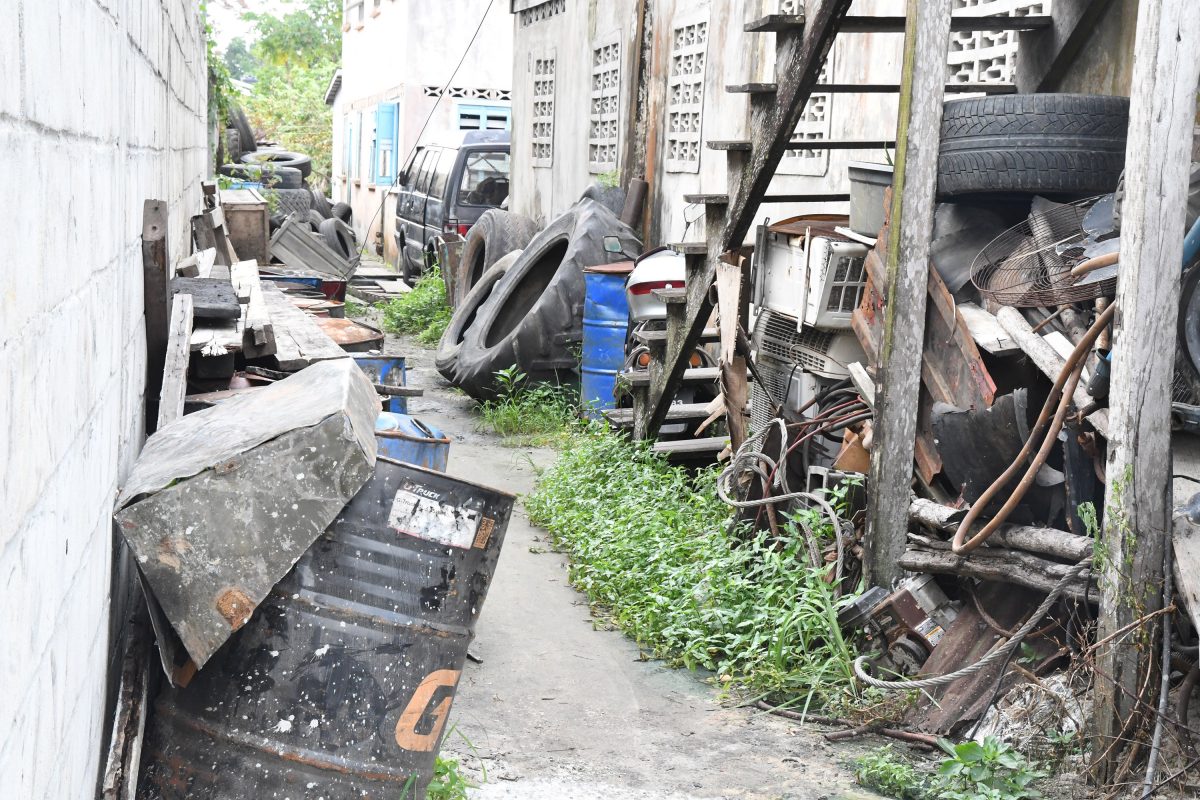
x=1069, y=373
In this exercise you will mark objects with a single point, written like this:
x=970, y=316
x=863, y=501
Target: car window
x=485, y=178
x=440, y=173
x=414, y=165
x=426, y=173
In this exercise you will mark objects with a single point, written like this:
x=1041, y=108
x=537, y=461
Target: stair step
x=677, y=413
x=691, y=449
x=723, y=199
x=641, y=377
x=855, y=23
x=874, y=88
x=690, y=248
x=776, y=23
x=670, y=296
x=809, y=144
x=654, y=337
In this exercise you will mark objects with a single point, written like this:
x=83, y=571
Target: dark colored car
x=445, y=189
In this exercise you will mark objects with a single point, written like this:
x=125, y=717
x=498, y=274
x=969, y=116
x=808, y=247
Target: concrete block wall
x=103, y=104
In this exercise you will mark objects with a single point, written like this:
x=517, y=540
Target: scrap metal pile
x=996, y=623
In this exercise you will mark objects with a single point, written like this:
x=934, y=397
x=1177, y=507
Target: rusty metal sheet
x=819, y=224
x=350, y=335
x=222, y=502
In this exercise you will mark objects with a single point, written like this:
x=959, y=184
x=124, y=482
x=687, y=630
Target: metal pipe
x=1069, y=374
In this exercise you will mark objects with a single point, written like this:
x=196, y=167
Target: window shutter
x=385, y=143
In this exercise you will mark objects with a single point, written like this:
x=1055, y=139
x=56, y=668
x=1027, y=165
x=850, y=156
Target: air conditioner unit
x=816, y=278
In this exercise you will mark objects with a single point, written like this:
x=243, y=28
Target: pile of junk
x=993, y=620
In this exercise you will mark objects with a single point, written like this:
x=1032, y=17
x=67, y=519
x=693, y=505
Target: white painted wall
x=396, y=49
x=102, y=105
x=733, y=57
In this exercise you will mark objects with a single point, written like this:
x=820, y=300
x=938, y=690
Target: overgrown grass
x=525, y=413
x=651, y=547
x=423, y=311
x=353, y=308
x=991, y=770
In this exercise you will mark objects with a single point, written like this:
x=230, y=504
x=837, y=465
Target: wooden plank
x=691, y=447
x=174, y=387
x=1046, y=55
x=1137, y=498
x=678, y=413
x=156, y=274
x=198, y=264
x=218, y=337
x=258, y=333
x=735, y=388
x=920, y=120
x=299, y=341
x=693, y=375
x=986, y=330
x=1186, y=541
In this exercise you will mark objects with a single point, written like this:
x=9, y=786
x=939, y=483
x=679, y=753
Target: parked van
x=445, y=188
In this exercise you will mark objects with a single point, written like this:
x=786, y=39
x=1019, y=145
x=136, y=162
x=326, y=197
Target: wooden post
x=1137, y=515
x=926, y=42
x=174, y=382
x=156, y=275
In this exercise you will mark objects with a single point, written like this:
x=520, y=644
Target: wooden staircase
x=801, y=46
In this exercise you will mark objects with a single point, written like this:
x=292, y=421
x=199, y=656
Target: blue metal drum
x=605, y=327
x=407, y=439
x=387, y=371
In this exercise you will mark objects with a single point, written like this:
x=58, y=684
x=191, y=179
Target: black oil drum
x=341, y=683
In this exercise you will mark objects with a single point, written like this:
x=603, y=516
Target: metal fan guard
x=1029, y=265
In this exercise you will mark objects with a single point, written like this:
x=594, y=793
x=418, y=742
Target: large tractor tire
x=446, y=359
x=494, y=235
x=534, y=317
x=1033, y=143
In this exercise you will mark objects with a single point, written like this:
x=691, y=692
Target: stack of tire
x=526, y=310
x=285, y=172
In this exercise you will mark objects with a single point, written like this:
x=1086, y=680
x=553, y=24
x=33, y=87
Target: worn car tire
x=315, y=219
x=533, y=318
x=338, y=236
x=245, y=132
x=342, y=211
x=293, y=201
x=278, y=177
x=276, y=221
x=1033, y=143
x=321, y=204
x=495, y=234
x=446, y=359
x=233, y=145
x=282, y=158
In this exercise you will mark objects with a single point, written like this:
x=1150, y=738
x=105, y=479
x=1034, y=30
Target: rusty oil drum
x=340, y=684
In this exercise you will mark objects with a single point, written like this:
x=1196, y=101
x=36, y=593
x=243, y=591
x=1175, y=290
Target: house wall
x=544, y=189
x=400, y=52
x=102, y=105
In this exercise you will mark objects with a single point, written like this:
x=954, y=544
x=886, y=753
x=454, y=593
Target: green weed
x=423, y=311
x=651, y=547
x=353, y=308
x=531, y=414
x=989, y=771
x=448, y=783
x=889, y=774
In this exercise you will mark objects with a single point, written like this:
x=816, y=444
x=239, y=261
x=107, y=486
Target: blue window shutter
x=385, y=143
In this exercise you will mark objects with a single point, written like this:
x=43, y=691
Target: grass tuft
x=651, y=547
x=422, y=312
x=529, y=414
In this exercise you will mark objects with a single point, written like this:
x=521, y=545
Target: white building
x=395, y=89
x=103, y=105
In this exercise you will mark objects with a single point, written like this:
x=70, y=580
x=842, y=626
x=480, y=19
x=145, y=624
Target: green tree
x=298, y=53
x=239, y=60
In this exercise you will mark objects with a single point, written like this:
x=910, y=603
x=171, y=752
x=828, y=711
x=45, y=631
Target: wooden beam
x=174, y=386
x=919, y=128
x=1046, y=54
x=1137, y=498
x=156, y=276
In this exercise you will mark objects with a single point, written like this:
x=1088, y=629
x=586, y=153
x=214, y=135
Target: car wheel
x=1034, y=143
x=533, y=318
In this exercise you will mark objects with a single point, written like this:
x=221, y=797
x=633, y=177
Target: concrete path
x=560, y=710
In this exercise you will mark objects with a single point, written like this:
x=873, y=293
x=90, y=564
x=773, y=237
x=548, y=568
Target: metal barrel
x=387, y=371
x=407, y=439
x=340, y=684
x=605, y=327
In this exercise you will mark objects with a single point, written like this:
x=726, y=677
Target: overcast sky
x=227, y=23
